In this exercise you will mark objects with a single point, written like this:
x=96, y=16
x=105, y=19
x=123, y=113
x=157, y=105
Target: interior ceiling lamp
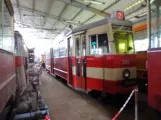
x=32, y=16
x=94, y=1
x=134, y=4
x=70, y=21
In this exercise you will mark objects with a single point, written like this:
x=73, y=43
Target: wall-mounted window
x=155, y=6
x=141, y=42
x=99, y=44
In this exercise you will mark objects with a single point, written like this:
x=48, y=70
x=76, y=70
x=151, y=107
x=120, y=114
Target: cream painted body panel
x=93, y=31
x=74, y=70
x=112, y=74
x=115, y=74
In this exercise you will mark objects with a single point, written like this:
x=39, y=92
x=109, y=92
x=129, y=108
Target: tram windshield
x=124, y=42
x=155, y=20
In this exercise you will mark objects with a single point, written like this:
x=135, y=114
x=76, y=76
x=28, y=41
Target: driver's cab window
x=124, y=42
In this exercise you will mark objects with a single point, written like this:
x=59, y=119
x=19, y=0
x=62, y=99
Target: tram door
x=80, y=61
x=69, y=63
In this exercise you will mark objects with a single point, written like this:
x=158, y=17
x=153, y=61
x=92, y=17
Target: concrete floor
x=67, y=104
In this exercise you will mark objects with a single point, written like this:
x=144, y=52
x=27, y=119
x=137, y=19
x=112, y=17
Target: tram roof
x=102, y=22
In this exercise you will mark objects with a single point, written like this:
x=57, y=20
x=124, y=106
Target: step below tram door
x=80, y=61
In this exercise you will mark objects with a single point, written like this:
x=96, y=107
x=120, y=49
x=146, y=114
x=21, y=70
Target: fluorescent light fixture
x=94, y=1
x=32, y=16
x=70, y=21
x=134, y=4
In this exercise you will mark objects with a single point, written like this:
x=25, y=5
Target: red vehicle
x=99, y=56
x=7, y=68
x=13, y=56
x=154, y=55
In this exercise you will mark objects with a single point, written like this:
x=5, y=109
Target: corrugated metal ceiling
x=54, y=16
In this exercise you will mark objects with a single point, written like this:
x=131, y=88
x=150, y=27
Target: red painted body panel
x=60, y=63
x=7, y=77
x=154, y=78
x=60, y=73
x=7, y=65
x=112, y=61
x=107, y=86
x=60, y=67
x=19, y=61
x=95, y=84
x=104, y=61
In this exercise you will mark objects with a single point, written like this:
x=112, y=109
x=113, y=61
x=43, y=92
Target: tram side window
x=93, y=44
x=56, y=53
x=7, y=34
x=62, y=48
x=6, y=24
x=102, y=44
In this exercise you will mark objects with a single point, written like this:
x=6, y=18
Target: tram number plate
x=125, y=62
x=129, y=82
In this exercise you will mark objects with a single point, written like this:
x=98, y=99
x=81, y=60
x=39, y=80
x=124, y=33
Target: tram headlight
x=126, y=73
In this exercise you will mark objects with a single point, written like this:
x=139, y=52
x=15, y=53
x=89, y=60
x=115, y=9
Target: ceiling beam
x=115, y=2
x=85, y=7
x=89, y=19
x=33, y=4
x=79, y=12
x=112, y=4
x=41, y=13
x=64, y=8
x=19, y=10
x=49, y=7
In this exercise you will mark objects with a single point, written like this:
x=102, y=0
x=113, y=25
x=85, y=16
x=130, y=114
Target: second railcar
x=99, y=56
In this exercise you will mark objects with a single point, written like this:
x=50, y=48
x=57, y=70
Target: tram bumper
x=129, y=82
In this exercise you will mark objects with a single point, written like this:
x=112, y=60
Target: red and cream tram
x=13, y=59
x=154, y=55
x=99, y=56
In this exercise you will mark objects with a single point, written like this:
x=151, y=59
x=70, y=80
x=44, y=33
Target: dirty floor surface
x=67, y=104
